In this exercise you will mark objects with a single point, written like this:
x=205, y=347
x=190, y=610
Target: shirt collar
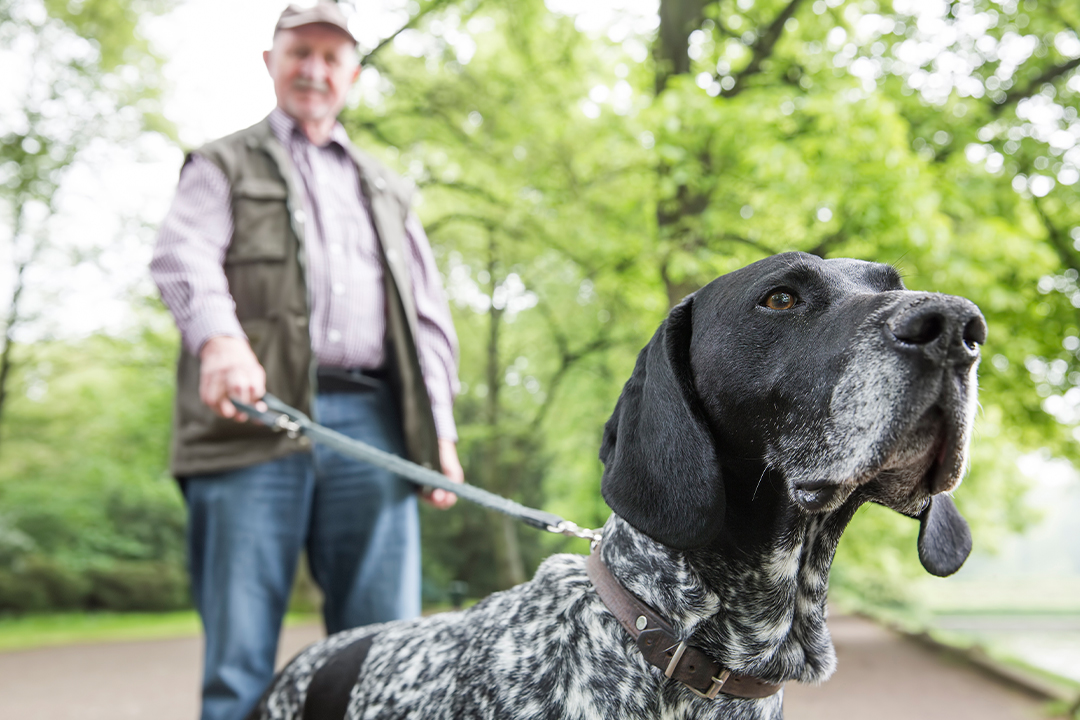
x=284, y=126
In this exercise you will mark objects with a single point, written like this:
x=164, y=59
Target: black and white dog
x=766, y=409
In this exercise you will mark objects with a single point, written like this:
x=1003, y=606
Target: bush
x=37, y=584
x=137, y=586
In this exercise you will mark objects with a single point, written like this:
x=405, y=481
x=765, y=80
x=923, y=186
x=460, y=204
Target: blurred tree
x=580, y=174
x=78, y=73
x=87, y=520
x=609, y=171
x=91, y=518
x=538, y=227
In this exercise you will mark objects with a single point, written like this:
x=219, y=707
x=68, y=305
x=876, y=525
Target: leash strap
x=282, y=417
x=661, y=647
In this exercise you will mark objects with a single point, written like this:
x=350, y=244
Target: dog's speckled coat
x=727, y=467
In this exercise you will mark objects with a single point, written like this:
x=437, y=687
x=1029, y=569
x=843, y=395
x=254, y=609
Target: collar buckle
x=714, y=689
x=717, y=682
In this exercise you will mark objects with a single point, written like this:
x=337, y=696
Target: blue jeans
x=247, y=527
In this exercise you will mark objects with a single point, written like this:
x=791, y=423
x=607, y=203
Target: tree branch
x=763, y=48
x=1059, y=239
x=466, y=188
x=413, y=22
x=828, y=243
x=375, y=130
x=762, y=247
x=439, y=223
x=1048, y=75
x=567, y=359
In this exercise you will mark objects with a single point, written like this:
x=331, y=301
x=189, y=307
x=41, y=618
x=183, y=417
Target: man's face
x=312, y=67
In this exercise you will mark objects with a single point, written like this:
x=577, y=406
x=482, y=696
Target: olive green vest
x=264, y=266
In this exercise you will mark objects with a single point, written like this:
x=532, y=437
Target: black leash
x=282, y=417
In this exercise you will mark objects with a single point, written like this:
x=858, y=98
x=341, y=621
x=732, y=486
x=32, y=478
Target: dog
x=766, y=409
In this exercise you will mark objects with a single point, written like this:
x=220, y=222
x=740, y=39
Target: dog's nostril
x=919, y=328
x=975, y=332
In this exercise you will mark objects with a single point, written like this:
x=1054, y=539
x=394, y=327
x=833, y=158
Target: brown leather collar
x=658, y=643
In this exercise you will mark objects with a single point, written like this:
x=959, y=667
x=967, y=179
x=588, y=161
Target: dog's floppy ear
x=661, y=473
x=944, y=537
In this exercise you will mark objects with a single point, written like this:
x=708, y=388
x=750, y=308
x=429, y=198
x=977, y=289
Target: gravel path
x=881, y=676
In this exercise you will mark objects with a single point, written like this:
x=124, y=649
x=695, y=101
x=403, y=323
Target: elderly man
x=292, y=263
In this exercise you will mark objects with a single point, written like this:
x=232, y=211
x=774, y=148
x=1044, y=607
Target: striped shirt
x=344, y=271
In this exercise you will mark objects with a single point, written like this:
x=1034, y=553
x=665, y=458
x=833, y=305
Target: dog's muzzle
x=941, y=329
x=905, y=406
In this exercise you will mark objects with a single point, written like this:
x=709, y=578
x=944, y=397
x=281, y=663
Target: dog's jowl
x=766, y=409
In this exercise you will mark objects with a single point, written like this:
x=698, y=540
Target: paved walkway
x=881, y=676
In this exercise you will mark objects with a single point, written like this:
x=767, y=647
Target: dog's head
x=827, y=374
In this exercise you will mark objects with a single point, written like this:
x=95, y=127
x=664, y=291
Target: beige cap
x=322, y=12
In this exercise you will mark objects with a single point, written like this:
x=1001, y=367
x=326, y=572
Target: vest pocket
x=260, y=221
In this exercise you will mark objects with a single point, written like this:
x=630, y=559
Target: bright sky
x=217, y=81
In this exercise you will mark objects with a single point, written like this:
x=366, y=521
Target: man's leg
x=364, y=540
x=245, y=532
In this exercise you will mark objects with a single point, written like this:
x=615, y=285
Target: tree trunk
x=508, y=549
x=7, y=362
x=678, y=18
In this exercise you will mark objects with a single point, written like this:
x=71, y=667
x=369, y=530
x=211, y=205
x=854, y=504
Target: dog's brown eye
x=780, y=300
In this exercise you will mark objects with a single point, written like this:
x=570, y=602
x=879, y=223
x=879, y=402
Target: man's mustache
x=306, y=84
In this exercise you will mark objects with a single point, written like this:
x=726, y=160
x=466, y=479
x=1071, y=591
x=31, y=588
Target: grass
x=21, y=632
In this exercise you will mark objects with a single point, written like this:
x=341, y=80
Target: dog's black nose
x=940, y=327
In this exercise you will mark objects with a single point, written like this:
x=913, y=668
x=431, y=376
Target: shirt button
x=380, y=183
x=300, y=216
x=339, y=288
x=334, y=336
x=391, y=255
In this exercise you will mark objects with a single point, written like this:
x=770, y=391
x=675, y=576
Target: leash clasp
x=570, y=529
x=290, y=426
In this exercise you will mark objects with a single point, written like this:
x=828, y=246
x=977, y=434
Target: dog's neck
x=760, y=614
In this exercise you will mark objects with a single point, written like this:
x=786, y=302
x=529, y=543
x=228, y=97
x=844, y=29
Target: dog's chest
x=546, y=649
x=773, y=621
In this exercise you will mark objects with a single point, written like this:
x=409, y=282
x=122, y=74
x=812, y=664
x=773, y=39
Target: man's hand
x=451, y=467
x=230, y=369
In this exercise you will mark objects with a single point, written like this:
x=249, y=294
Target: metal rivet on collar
x=641, y=622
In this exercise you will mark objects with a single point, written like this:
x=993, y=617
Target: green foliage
x=85, y=73
x=91, y=518
x=87, y=519
x=575, y=186
x=548, y=156
x=509, y=194
x=112, y=26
